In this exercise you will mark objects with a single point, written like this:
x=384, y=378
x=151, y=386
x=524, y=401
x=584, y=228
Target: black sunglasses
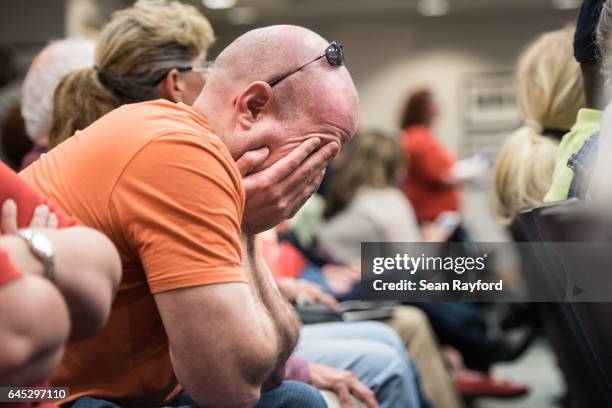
x=333, y=54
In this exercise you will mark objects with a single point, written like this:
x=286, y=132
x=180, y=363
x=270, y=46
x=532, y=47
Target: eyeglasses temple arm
x=277, y=80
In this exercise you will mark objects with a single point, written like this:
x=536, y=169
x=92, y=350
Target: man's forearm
x=282, y=314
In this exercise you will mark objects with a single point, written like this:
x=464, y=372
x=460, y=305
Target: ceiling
x=292, y=11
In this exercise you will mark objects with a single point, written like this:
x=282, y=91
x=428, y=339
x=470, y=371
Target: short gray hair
x=55, y=61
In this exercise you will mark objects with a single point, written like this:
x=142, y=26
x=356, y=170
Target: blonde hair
x=134, y=52
x=372, y=159
x=550, y=93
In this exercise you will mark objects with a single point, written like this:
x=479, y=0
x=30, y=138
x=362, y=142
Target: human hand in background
x=343, y=383
x=302, y=291
x=340, y=278
x=42, y=218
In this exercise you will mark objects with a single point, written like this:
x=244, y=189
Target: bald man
x=197, y=310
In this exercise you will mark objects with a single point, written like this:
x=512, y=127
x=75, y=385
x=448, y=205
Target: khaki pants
x=413, y=327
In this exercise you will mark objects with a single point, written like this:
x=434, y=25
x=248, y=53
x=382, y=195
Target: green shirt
x=587, y=123
x=306, y=223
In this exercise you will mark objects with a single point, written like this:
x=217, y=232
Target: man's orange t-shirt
x=428, y=165
x=155, y=179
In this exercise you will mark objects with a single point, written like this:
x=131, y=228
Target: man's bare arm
x=263, y=287
x=223, y=342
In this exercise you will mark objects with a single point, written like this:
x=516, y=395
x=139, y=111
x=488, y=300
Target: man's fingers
x=39, y=219
x=300, y=196
x=285, y=167
x=311, y=168
x=344, y=395
x=363, y=394
x=251, y=159
x=8, y=221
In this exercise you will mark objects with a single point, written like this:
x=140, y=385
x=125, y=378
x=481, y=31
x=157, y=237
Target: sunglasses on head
x=333, y=53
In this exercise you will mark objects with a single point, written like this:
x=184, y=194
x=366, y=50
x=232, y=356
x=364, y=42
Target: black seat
x=580, y=332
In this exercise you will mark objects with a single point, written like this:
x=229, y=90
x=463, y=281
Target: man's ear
x=254, y=101
x=171, y=87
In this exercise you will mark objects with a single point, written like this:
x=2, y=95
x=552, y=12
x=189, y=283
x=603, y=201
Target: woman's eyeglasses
x=205, y=68
x=333, y=53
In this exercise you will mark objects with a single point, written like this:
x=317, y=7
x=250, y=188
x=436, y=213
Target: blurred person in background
x=14, y=138
x=364, y=203
x=434, y=175
x=14, y=143
x=578, y=145
x=55, y=283
x=601, y=172
x=47, y=70
x=155, y=49
x=549, y=94
x=602, y=145
x=373, y=351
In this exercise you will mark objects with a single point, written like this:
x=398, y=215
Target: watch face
x=42, y=244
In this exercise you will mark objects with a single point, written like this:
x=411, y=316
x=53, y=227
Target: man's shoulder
x=157, y=116
x=133, y=129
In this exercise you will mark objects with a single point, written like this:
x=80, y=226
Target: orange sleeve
x=179, y=205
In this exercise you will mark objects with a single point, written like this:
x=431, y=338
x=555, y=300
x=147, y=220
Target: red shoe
x=470, y=384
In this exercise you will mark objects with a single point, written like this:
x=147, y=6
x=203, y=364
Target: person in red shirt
x=55, y=284
x=429, y=185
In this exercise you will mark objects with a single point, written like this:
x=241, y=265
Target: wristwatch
x=42, y=248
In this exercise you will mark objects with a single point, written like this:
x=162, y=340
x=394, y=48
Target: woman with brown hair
x=154, y=49
x=363, y=201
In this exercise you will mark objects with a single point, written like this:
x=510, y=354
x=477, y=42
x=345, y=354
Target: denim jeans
x=370, y=350
x=582, y=162
x=290, y=394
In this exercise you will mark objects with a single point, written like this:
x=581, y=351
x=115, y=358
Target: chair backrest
x=580, y=333
x=590, y=322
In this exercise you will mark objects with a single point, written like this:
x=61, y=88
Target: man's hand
x=342, y=383
x=42, y=218
x=276, y=193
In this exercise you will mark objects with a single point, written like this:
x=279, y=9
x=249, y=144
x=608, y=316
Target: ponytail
x=523, y=171
x=79, y=100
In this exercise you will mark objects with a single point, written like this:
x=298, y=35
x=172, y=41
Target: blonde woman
x=550, y=93
x=154, y=49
